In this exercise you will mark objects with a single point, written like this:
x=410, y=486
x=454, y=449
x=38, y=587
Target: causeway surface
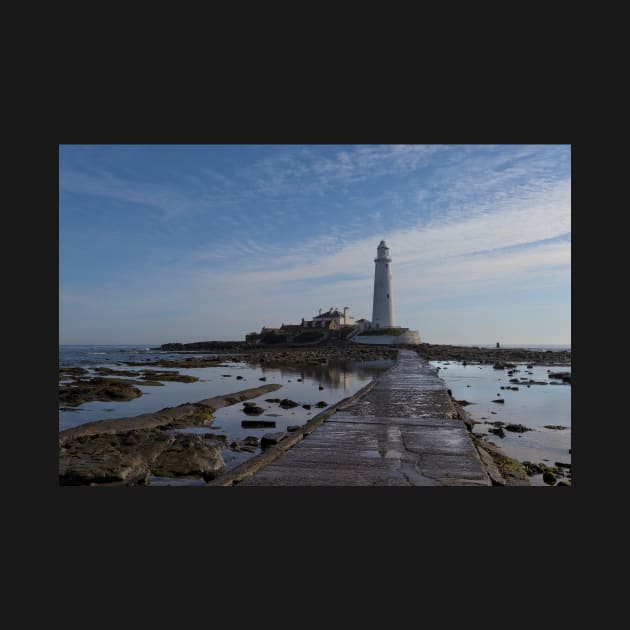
x=404, y=432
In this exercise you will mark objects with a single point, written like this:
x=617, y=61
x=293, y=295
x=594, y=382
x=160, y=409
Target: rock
x=529, y=367
x=498, y=366
x=299, y=380
x=563, y=483
x=129, y=439
x=517, y=428
x=226, y=375
x=285, y=403
x=101, y=465
x=99, y=388
x=321, y=404
x=533, y=469
x=239, y=378
x=153, y=376
x=463, y=403
x=498, y=431
x=563, y=376
x=248, y=444
x=293, y=427
x=563, y=465
x=272, y=400
x=306, y=406
x=549, y=478
x=269, y=439
x=249, y=404
x=320, y=387
x=222, y=439
x=498, y=400
x=73, y=371
x=262, y=378
x=189, y=455
x=258, y=424
x=558, y=427
x=253, y=411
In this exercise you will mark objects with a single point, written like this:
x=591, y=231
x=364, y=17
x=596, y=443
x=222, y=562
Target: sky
x=183, y=243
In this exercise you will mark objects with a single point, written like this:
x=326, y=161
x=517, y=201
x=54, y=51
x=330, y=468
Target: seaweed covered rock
x=99, y=388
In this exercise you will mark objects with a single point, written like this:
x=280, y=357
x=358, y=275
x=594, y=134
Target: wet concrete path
x=404, y=432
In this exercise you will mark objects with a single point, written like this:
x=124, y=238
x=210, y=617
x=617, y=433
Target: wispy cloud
x=500, y=246
x=103, y=183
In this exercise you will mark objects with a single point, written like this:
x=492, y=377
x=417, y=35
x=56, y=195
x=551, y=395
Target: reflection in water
x=335, y=374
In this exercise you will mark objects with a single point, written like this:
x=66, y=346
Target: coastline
x=501, y=469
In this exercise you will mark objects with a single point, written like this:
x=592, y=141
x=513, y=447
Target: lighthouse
x=383, y=305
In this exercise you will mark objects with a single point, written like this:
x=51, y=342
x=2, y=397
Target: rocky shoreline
x=346, y=350
x=476, y=355
x=127, y=451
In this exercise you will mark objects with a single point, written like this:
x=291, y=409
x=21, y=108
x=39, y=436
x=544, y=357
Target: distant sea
x=86, y=356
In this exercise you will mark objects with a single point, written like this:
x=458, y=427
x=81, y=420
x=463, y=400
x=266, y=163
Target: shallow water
x=534, y=407
x=338, y=380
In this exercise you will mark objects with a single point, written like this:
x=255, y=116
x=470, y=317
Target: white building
x=334, y=316
x=382, y=330
x=383, y=302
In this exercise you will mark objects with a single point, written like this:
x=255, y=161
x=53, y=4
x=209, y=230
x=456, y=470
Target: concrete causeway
x=404, y=432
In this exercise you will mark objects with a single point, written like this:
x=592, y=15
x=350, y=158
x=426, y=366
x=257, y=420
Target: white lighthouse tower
x=383, y=305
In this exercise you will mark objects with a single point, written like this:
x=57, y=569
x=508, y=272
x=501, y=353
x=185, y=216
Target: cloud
x=513, y=244
x=103, y=183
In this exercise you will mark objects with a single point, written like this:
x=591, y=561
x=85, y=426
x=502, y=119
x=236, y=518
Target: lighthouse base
x=387, y=336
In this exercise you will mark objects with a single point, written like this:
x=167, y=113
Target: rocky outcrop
x=182, y=415
x=132, y=457
x=516, y=428
x=130, y=450
x=507, y=357
x=563, y=376
x=189, y=455
x=99, y=388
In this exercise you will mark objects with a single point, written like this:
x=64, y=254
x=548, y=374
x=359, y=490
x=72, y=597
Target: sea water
x=536, y=407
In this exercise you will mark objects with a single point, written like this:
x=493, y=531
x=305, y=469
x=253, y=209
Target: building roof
x=329, y=314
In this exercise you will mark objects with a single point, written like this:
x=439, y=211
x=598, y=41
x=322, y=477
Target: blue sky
x=163, y=243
